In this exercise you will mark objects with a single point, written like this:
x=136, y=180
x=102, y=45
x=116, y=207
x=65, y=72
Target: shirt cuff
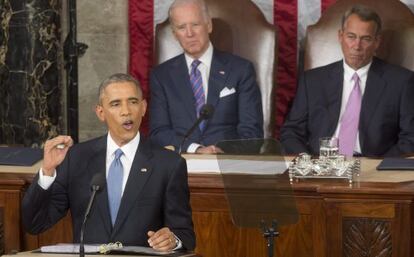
x=178, y=242
x=45, y=181
x=192, y=148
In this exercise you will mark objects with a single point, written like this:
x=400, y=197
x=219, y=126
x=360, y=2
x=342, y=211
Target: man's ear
x=173, y=32
x=100, y=113
x=144, y=106
x=340, y=33
x=378, y=40
x=210, y=25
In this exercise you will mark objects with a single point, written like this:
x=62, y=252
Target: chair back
x=239, y=27
x=322, y=46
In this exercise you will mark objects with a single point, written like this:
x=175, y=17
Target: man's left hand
x=163, y=240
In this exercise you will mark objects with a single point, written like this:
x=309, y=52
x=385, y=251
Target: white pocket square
x=226, y=91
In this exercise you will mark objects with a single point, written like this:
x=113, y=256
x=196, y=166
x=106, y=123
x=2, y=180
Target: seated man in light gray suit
x=203, y=74
x=364, y=101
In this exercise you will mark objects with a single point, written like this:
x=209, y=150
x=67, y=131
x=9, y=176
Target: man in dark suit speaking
x=364, y=101
x=145, y=200
x=183, y=84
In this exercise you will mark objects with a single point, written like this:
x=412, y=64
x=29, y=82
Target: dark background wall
x=30, y=71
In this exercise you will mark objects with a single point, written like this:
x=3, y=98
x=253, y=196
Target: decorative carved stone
x=363, y=237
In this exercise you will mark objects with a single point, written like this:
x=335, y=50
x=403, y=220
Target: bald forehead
x=199, y=3
x=178, y=3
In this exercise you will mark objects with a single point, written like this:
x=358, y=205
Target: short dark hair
x=364, y=13
x=116, y=78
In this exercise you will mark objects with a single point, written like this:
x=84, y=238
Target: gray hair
x=200, y=3
x=364, y=13
x=118, y=78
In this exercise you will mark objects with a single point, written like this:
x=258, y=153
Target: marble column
x=30, y=71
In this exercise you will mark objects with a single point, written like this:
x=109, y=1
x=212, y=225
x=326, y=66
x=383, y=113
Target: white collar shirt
x=203, y=67
x=127, y=158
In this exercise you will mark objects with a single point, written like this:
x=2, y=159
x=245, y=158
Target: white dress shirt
x=346, y=91
x=127, y=158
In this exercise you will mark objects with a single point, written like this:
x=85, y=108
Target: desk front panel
x=335, y=220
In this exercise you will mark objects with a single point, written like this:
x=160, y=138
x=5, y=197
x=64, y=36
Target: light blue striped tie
x=198, y=91
x=114, y=181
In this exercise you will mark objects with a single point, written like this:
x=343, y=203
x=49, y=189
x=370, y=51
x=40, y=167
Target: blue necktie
x=198, y=91
x=114, y=181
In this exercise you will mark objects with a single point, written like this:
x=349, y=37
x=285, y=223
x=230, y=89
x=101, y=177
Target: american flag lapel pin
x=143, y=169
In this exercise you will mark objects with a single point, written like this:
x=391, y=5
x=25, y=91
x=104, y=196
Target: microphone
x=97, y=183
x=206, y=112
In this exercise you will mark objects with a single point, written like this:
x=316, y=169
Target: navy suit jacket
x=156, y=195
x=386, y=123
x=172, y=108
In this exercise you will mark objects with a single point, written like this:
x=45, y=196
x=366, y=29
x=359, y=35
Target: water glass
x=328, y=147
x=304, y=164
x=338, y=164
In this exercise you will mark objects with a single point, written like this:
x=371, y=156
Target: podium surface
x=335, y=218
x=38, y=254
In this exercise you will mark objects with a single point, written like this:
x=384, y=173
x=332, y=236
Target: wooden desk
x=36, y=254
x=13, y=180
x=373, y=214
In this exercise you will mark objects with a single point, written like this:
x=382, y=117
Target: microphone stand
x=95, y=189
x=205, y=113
x=189, y=132
x=270, y=233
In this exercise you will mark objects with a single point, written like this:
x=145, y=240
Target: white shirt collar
x=204, y=59
x=128, y=149
x=362, y=72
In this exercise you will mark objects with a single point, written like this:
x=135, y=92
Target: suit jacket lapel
x=95, y=165
x=218, y=76
x=371, y=98
x=219, y=72
x=181, y=81
x=334, y=95
x=140, y=172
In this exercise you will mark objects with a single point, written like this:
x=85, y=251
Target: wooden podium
x=37, y=254
x=336, y=219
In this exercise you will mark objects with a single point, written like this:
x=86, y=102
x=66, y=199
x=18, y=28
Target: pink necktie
x=350, y=120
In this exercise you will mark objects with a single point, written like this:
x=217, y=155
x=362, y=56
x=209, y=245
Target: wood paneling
x=335, y=219
x=10, y=197
x=2, y=243
x=367, y=237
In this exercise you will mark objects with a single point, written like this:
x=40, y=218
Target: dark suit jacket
x=152, y=199
x=386, y=123
x=172, y=107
